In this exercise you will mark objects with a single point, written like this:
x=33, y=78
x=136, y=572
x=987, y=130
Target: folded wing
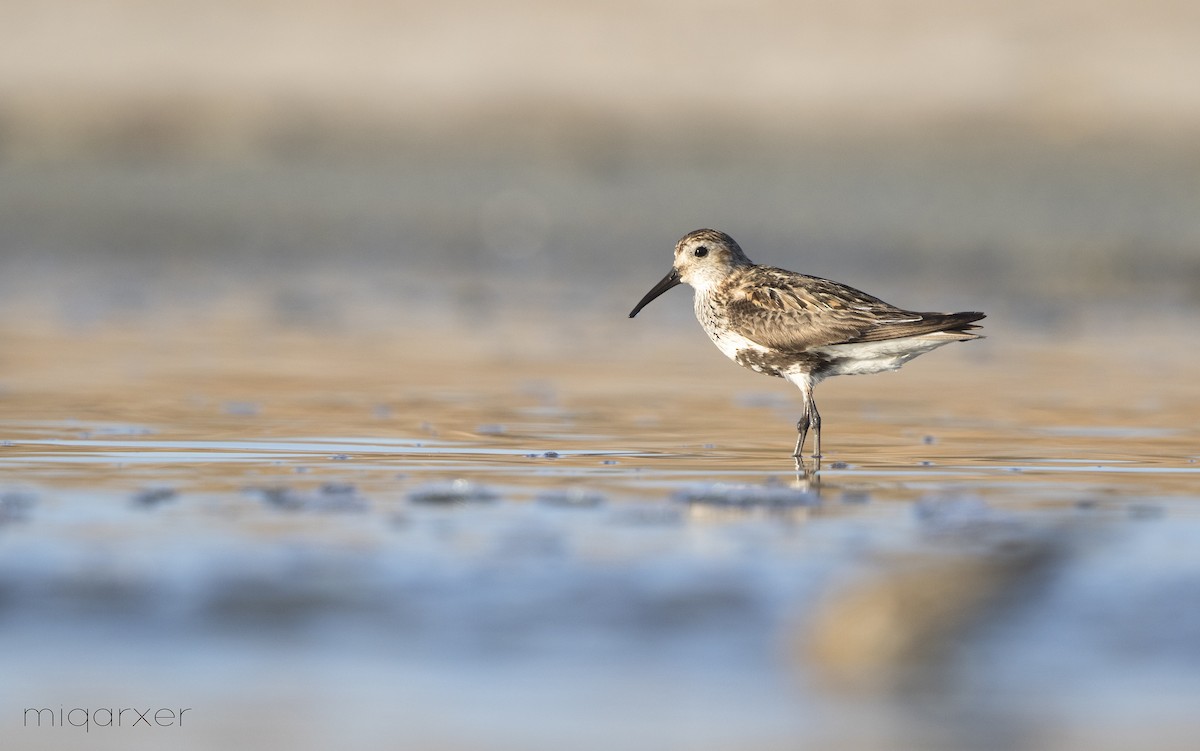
x=794, y=312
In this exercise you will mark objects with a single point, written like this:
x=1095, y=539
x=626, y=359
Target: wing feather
x=793, y=312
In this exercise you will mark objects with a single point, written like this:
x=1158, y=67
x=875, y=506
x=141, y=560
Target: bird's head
x=703, y=258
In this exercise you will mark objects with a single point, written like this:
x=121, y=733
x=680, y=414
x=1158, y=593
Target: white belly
x=864, y=358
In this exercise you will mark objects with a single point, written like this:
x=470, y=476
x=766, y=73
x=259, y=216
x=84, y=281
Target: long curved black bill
x=670, y=280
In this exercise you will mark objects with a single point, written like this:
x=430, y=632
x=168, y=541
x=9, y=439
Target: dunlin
x=800, y=328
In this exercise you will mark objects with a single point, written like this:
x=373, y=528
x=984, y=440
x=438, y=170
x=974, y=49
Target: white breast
x=714, y=324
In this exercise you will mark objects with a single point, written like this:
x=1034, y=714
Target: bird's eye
x=701, y=251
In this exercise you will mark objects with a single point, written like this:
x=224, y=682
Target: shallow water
x=380, y=539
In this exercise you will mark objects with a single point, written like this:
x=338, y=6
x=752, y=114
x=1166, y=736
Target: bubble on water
x=149, y=497
x=330, y=497
x=571, y=498
x=455, y=491
x=284, y=498
x=339, y=496
x=772, y=495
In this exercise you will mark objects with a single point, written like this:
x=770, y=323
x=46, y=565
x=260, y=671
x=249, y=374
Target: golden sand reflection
x=215, y=404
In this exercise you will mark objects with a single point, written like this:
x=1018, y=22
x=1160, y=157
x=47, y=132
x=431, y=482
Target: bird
x=801, y=328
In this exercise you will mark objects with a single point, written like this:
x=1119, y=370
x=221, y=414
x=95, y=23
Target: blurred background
x=309, y=161
x=321, y=413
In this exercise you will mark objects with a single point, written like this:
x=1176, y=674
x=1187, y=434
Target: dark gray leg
x=802, y=429
x=811, y=418
x=816, y=426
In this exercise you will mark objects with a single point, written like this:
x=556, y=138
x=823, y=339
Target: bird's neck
x=708, y=284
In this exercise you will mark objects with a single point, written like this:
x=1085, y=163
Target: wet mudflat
x=372, y=538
